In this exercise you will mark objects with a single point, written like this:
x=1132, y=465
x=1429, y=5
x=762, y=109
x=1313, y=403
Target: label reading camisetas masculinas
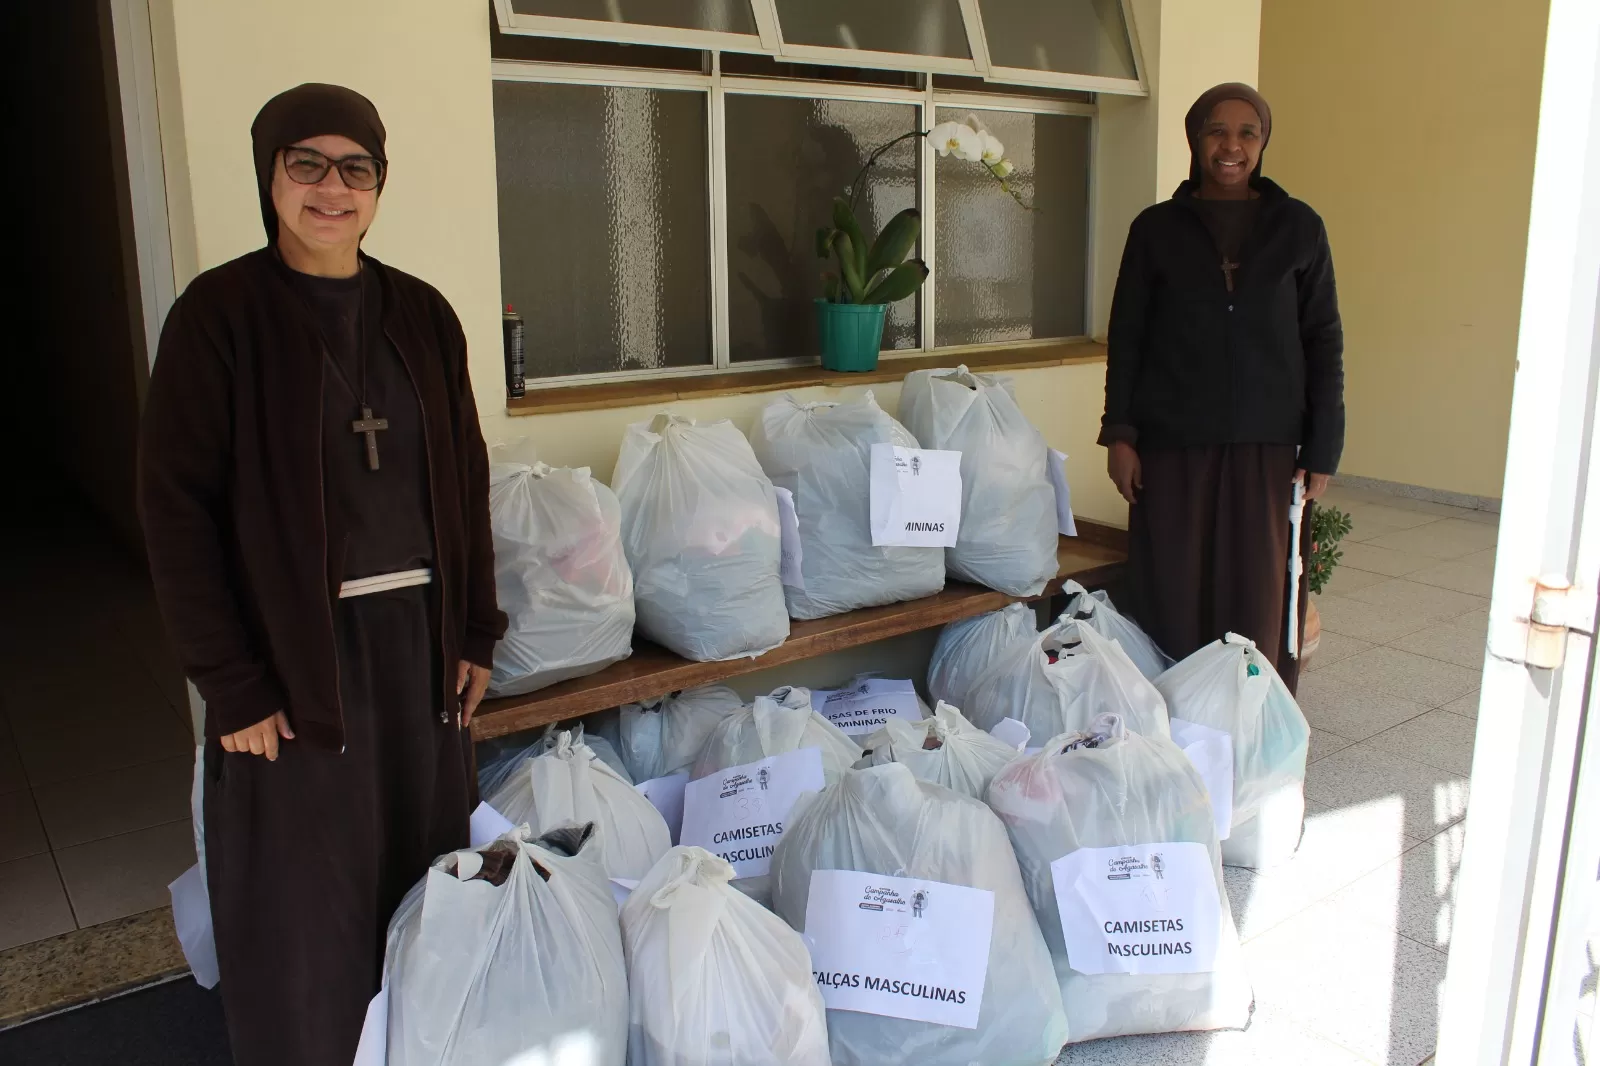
x=867, y=706
x=1142, y=909
x=914, y=497
x=899, y=946
x=739, y=813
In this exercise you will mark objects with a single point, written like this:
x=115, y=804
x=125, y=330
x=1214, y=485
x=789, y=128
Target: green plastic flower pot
x=851, y=335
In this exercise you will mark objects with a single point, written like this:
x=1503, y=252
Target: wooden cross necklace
x=366, y=424
x=1228, y=267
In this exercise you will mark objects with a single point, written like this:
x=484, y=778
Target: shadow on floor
x=174, y=1024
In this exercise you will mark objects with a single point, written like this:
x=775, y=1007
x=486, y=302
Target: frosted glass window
x=727, y=16
x=1003, y=273
x=916, y=27
x=603, y=225
x=1066, y=36
x=787, y=159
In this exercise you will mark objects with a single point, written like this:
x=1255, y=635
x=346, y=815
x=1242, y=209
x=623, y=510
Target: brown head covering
x=309, y=110
x=1202, y=108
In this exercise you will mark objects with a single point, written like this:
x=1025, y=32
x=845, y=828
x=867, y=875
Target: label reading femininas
x=1141, y=909
x=739, y=813
x=899, y=946
x=867, y=705
x=914, y=497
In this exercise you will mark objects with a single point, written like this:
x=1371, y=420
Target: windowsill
x=554, y=399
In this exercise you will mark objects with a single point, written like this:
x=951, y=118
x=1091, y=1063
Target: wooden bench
x=1094, y=557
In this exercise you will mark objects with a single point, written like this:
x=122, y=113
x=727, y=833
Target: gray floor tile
x=1405, y=674
x=1402, y=592
x=1439, y=739
x=1461, y=642
x=1472, y=574
x=123, y=694
x=21, y=833
x=1466, y=706
x=1371, y=622
x=1324, y=744
x=1346, y=578
x=125, y=874
x=1269, y=1041
x=1450, y=538
x=1485, y=518
x=1339, y=847
x=64, y=755
x=1368, y=990
x=11, y=776
x=1333, y=648
x=1350, y=711
x=116, y=802
x=33, y=905
x=1380, y=560
x=1428, y=799
x=1366, y=529
x=1414, y=894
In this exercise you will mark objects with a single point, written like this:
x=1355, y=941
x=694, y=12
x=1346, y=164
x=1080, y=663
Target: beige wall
x=1409, y=126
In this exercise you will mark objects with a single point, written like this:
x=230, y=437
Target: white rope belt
x=401, y=579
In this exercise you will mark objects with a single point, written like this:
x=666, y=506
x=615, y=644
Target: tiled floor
x=95, y=748
x=1346, y=944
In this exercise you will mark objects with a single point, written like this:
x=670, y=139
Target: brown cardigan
x=231, y=493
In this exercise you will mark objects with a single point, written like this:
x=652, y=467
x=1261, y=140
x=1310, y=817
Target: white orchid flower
x=993, y=151
x=958, y=139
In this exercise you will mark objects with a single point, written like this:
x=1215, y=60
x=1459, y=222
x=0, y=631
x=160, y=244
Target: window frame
x=768, y=40
x=715, y=86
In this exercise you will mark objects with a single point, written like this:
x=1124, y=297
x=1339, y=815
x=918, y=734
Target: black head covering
x=1202, y=108
x=309, y=110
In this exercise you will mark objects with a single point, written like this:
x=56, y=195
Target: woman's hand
x=1315, y=486
x=1122, y=463
x=261, y=738
x=472, y=681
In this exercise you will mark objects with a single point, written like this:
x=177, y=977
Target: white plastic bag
x=560, y=574
x=1009, y=531
x=773, y=725
x=500, y=757
x=700, y=526
x=945, y=749
x=665, y=736
x=1097, y=609
x=1090, y=676
x=968, y=647
x=1102, y=789
x=882, y=820
x=570, y=785
x=1230, y=686
x=821, y=452
x=529, y=969
x=717, y=979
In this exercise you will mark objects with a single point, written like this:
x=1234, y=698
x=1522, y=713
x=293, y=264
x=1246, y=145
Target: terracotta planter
x=1312, y=634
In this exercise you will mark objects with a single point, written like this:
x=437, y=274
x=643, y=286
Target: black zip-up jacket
x=1191, y=363
x=246, y=568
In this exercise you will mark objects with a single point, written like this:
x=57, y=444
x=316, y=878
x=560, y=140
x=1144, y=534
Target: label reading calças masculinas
x=1142, y=908
x=899, y=946
x=738, y=814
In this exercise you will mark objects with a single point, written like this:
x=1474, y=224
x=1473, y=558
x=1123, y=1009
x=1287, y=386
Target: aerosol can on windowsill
x=516, y=364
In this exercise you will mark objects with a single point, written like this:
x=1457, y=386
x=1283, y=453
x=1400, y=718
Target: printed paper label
x=867, y=706
x=1012, y=732
x=1211, y=751
x=738, y=814
x=1142, y=909
x=621, y=889
x=666, y=795
x=898, y=946
x=915, y=497
x=1058, y=479
x=789, y=540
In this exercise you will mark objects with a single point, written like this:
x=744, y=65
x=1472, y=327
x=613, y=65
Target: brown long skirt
x=1208, y=548
x=307, y=857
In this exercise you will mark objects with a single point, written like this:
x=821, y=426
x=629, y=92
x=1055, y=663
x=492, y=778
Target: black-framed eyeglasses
x=308, y=166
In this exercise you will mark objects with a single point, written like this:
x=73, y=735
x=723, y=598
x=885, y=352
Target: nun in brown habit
x=315, y=497
x=1224, y=386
